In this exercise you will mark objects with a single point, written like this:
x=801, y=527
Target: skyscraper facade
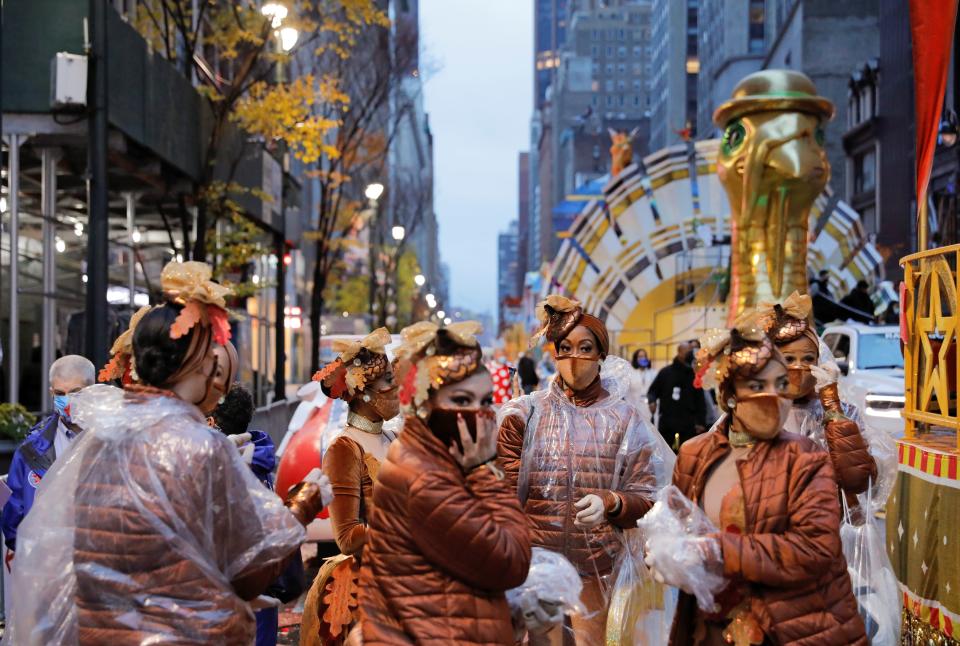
x=508, y=267
x=732, y=45
x=675, y=69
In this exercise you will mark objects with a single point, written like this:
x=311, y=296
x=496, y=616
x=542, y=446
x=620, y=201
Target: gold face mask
x=577, y=372
x=800, y=382
x=762, y=415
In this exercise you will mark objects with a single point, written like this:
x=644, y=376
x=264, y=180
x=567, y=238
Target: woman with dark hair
x=645, y=373
x=362, y=376
x=582, y=459
x=153, y=529
x=446, y=537
x=773, y=497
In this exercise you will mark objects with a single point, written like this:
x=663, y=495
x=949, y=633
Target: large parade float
x=688, y=237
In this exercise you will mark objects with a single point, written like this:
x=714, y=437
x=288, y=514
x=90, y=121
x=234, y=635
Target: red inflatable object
x=303, y=453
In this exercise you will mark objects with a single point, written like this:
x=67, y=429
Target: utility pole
x=98, y=223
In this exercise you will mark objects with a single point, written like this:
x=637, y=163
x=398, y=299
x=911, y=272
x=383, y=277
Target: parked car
x=871, y=366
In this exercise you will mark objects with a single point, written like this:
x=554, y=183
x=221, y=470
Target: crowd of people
x=143, y=508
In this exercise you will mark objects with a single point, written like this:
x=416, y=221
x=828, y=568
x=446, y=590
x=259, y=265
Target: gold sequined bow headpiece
x=430, y=357
x=122, y=364
x=190, y=284
x=358, y=364
x=740, y=351
x=558, y=315
x=790, y=320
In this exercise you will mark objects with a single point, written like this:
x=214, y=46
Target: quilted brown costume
x=551, y=518
x=789, y=555
x=442, y=547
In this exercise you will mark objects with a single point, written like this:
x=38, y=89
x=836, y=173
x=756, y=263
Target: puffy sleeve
x=510, y=447
x=849, y=455
x=471, y=526
x=13, y=510
x=343, y=464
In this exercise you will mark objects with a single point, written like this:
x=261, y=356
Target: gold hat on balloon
x=786, y=90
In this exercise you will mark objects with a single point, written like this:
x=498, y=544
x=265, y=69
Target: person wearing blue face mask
x=47, y=441
x=645, y=371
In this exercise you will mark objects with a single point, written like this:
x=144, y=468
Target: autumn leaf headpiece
x=790, y=320
x=190, y=285
x=122, y=364
x=430, y=357
x=358, y=364
x=558, y=315
x=741, y=350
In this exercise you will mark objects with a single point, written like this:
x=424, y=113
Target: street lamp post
x=373, y=192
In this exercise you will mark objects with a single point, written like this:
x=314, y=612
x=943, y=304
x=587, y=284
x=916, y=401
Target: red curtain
x=931, y=26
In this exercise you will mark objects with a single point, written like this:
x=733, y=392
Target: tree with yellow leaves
x=239, y=54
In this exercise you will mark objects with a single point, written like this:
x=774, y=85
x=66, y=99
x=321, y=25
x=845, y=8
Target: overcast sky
x=479, y=97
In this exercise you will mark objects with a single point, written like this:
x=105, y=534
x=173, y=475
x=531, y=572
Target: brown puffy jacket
x=852, y=463
x=154, y=563
x=442, y=547
x=550, y=494
x=790, y=553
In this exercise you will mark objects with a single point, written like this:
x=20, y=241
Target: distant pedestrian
x=891, y=316
x=46, y=442
x=711, y=410
x=547, y=367
x=527, y=370
x=645, y=371
x=682, y=406
x=858, y=304
x=824, y=305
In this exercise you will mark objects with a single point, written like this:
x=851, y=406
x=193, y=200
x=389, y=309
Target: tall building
x=675, y=68
x=508, y=267
x=523, y=212
x=550, y=21
x=732, y=45
x=600, y=81
x=826, y=40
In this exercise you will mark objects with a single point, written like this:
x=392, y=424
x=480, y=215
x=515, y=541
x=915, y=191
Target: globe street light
x=373, y=191
x=419, y=280
x=441, y=314
x=398, y=232
x=288, y=38
x=276, y=12
x=447, y=321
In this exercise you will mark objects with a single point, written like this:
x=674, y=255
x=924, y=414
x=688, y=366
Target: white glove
x=240, y=439
x=825, y=374
x=320, y=479
x=246, y=453
x=263, y=601
x=590, y=511
x=542, y=617
x=651, y=562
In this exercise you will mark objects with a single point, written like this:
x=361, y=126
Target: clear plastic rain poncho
x=570, y=451
x=552, y=581
x=138, y=531
x=874, y=583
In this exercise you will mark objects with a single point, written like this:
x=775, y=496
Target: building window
x=622, y=68
x=609, y=68
x=608, y=86
x=594, y=35
x=637, y=85
x=594, y=51
x=865, y=172
x=637, y=69
x=757, y=16
x=609, y=52
x=621, y=34
x=621, y=85
x=637, y=51
x=622, y=52
x=620, y=100
x=609, y=101
x=595, y=100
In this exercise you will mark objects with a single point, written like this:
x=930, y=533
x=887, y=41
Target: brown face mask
x=577, y=372
x=800, y=382
x=386, y=402
x=762, y=415
x=443, y=423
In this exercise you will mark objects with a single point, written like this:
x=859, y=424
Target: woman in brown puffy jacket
x=154, y=529
x=583, y=461
x=817, y=412
x=446, y=537
x=362, y=376
x=773, y=496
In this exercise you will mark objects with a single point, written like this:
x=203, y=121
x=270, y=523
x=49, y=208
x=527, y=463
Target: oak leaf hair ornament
x=122, y=365
x=430, y=357
x=743, y=349
x=359, y=363
x=191, y=285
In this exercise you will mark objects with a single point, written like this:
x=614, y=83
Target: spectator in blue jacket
x=47, y=441
x=233, y=417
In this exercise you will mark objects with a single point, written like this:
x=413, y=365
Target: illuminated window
x=693, y=66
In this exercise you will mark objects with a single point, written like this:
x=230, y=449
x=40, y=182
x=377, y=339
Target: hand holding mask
x=477, y=434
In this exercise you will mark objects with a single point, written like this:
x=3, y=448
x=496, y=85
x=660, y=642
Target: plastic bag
x=874, y=583
x=140, y=529
x=551, y=578
x=682, y=547
x=641, y=610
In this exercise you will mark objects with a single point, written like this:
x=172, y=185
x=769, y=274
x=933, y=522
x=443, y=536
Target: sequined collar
x=586, y=397
x=361, y=423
